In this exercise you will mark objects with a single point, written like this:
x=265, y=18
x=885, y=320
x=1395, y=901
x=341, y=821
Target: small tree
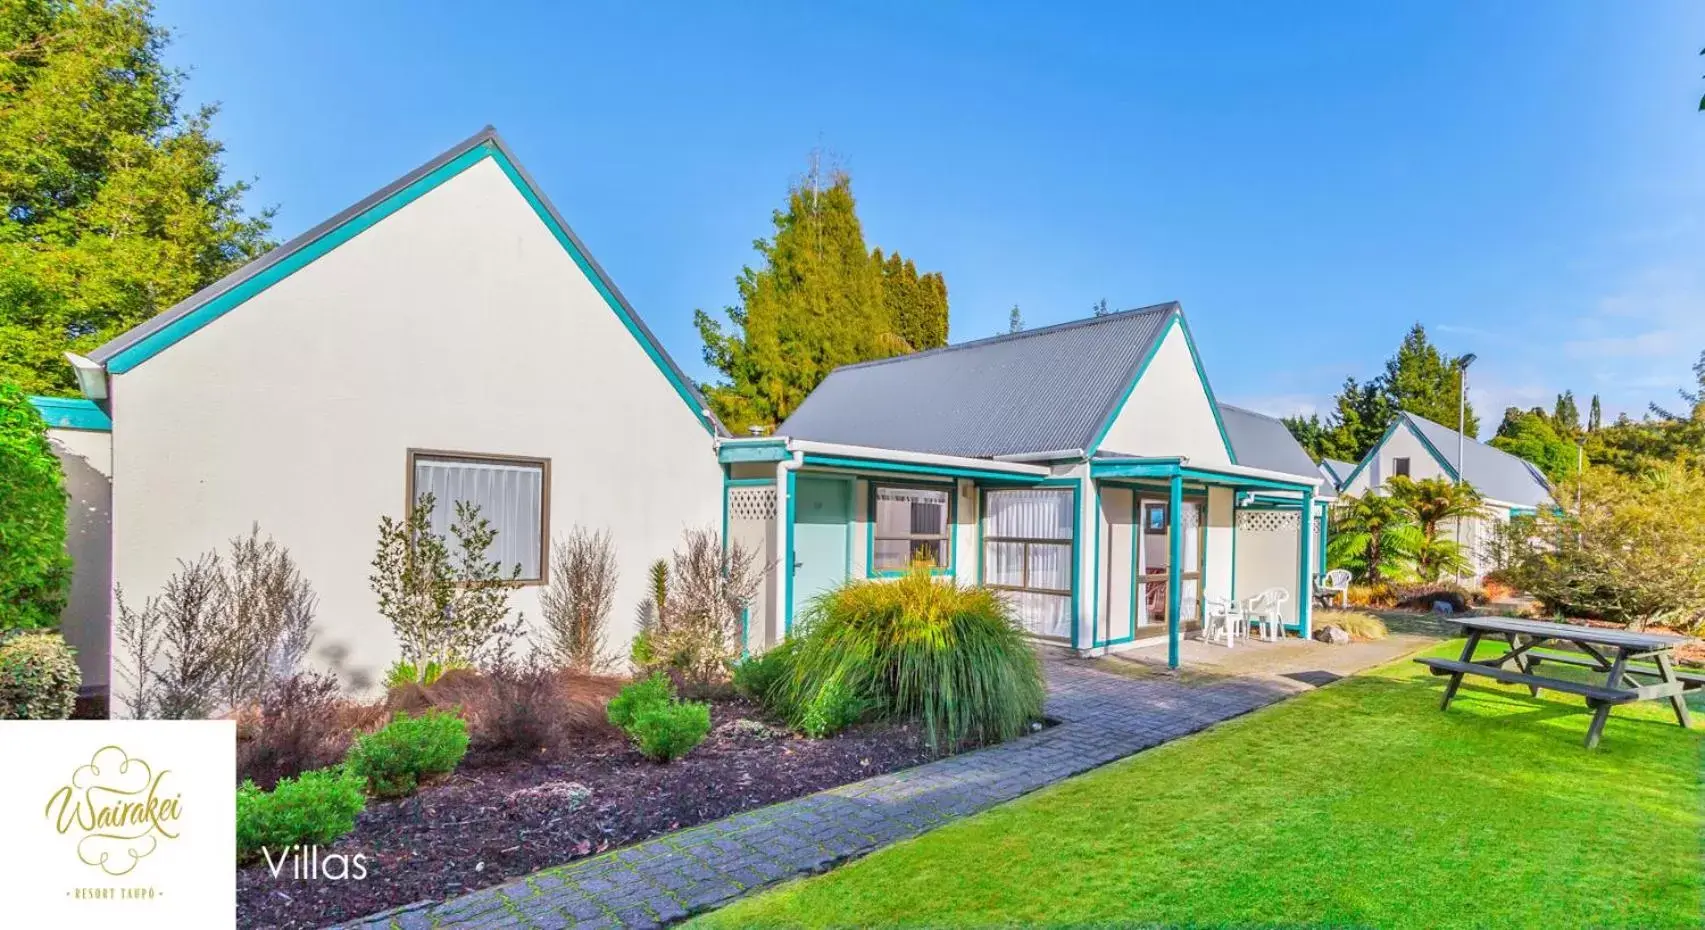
x=1374, y=536
x=35, y=570
x=1634, y=553
x=577, y=602
x=1432, y=502
x=447, y=607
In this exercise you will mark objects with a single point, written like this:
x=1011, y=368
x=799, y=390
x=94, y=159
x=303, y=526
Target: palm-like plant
x=1431, y=502
x=1375, y=537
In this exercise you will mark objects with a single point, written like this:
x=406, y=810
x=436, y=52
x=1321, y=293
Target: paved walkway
x=1102, y=717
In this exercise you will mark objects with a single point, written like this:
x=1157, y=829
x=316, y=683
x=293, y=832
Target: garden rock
x=1335, y=635
x=1443, y=607
x=570, y=794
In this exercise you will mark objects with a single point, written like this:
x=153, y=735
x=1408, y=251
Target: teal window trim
x=1076, y=487
x=776, y=451
x=913, y=468
x=162, y=339
x=952, y=490
x=78, y=413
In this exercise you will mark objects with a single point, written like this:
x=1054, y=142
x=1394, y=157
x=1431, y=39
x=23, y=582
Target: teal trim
x=1234, y=549
x=787, y=560
x=910, y=468
x=1305, y=590
x=1171, y=468
x=1243, y=481
x=752, y=452
x=750, y=482
x=169, y=335
x=1131, y=386
x=1403, y=420
x=1523, y=512
x=72, y=413
x=1136, y=545
x=1320, y=560
x=1095, y=577
x=1207, y=388
x=1174, y=569
x=1077, y=561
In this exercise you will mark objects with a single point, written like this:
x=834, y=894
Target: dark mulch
x=497, y=819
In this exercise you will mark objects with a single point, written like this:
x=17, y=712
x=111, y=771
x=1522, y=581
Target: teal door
x=822, y=516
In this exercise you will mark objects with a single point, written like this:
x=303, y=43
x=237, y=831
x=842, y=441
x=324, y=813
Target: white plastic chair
x=1266, y=608
x=1335, y=585
x=1224, y=617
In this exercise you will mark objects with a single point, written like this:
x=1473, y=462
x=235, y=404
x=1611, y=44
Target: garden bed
x=496, y=819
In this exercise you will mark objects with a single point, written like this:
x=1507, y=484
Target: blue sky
x=1526, y=179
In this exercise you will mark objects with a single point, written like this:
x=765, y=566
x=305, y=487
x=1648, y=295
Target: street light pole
x=1461, y=430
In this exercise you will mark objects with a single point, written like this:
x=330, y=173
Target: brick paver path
x=1102, y=718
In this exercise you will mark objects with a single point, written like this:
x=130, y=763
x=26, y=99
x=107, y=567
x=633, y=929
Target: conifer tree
x=115, y=207
x=1595, y=416
x=1015, y=320
x=1418, y=379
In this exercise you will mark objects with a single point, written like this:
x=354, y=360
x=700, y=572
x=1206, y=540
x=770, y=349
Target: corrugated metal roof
x=1261, y=441
x=1033, y=391
x=1337, y=471
x=1496, y=474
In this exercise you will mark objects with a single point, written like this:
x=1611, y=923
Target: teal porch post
x=1174, y=556
x=1325, y=518
x=1305, y=578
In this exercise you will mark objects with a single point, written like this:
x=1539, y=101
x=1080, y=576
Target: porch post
x=1305, y=577
x=1085, y=553
x=783, y=622
x=1325, y=517
x=1174, y=556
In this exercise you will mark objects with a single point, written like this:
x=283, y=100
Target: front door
x=822, y=515
x=1153, y=552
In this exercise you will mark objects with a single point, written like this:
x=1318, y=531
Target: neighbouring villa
x=450, y=333
x=1418, y=448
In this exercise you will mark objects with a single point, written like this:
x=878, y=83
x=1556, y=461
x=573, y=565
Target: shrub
x=222, y=630
x=35, y=571
x=666, y=732
x=646, y=692
x=576, y=604
x=755, y=676
x=408, y=673
x=300, y=728
x=444, y=606
x=1362, y=627
x=38, y=677
x=393, y=760
x=831, y=709
x=514, y=707
x=1372, y=595
x=697, y=631
x=950, y=657
x=316, y=808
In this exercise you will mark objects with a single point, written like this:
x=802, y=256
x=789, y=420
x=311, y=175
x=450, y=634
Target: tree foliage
x=1432, y=503
x=1374, y=536
x=1534, y=436
x=115, y=202
x=35, y=570
x=1418, y=379
x=816, y=301
x=1633, y=553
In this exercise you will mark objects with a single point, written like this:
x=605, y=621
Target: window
x=911, y=524
x=512, y=493
x=1400, y=466
x=1027, y=552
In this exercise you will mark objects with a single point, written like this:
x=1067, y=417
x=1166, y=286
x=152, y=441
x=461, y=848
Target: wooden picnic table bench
x=1642, y=668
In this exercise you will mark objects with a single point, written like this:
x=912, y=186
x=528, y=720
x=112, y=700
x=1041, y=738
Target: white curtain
x=510, y=495
x=1035, y=514
x=1042, y=513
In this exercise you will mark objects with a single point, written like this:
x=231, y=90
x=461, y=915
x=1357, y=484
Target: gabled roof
x=143, y=342
x=1337, y=471
x=1040, y=390
x=1496, y=474
x=1261, y=441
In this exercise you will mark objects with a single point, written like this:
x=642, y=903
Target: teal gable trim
x=160, y=340
x=72, y=413
x=752, y=452
x=1207, y=388
x=1142, y=368
x=1401, y=420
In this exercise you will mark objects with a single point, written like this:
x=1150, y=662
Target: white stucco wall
x=458, y=323
x=1217, y=573
x=1267, y=547
x=1168, y=412
x=85, y=457
x=1402, y=443
x=1113, y=620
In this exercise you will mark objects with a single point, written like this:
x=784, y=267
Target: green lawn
x=1358, y=805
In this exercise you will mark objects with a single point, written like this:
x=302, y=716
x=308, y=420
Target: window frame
x=1069, y=543
x=542, y=463
x=949, y=540
x=1400, y=466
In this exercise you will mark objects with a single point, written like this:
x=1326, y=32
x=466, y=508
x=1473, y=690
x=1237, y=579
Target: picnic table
x=1636, y=666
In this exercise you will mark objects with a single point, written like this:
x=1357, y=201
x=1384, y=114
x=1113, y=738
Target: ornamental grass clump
x=949, y=657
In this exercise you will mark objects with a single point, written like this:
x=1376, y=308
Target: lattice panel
x=751, y=503
x=1267, y=521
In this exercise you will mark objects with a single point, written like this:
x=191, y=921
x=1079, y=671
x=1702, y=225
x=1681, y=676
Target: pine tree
x=1595, y=416
x=917, y=304
x=814, y=303
x=1417, y=379
x=1424, y=382
x=115, y=204
x=1015, y=320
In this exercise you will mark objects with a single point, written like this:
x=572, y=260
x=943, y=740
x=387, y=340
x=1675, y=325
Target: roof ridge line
x=1168, y=306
